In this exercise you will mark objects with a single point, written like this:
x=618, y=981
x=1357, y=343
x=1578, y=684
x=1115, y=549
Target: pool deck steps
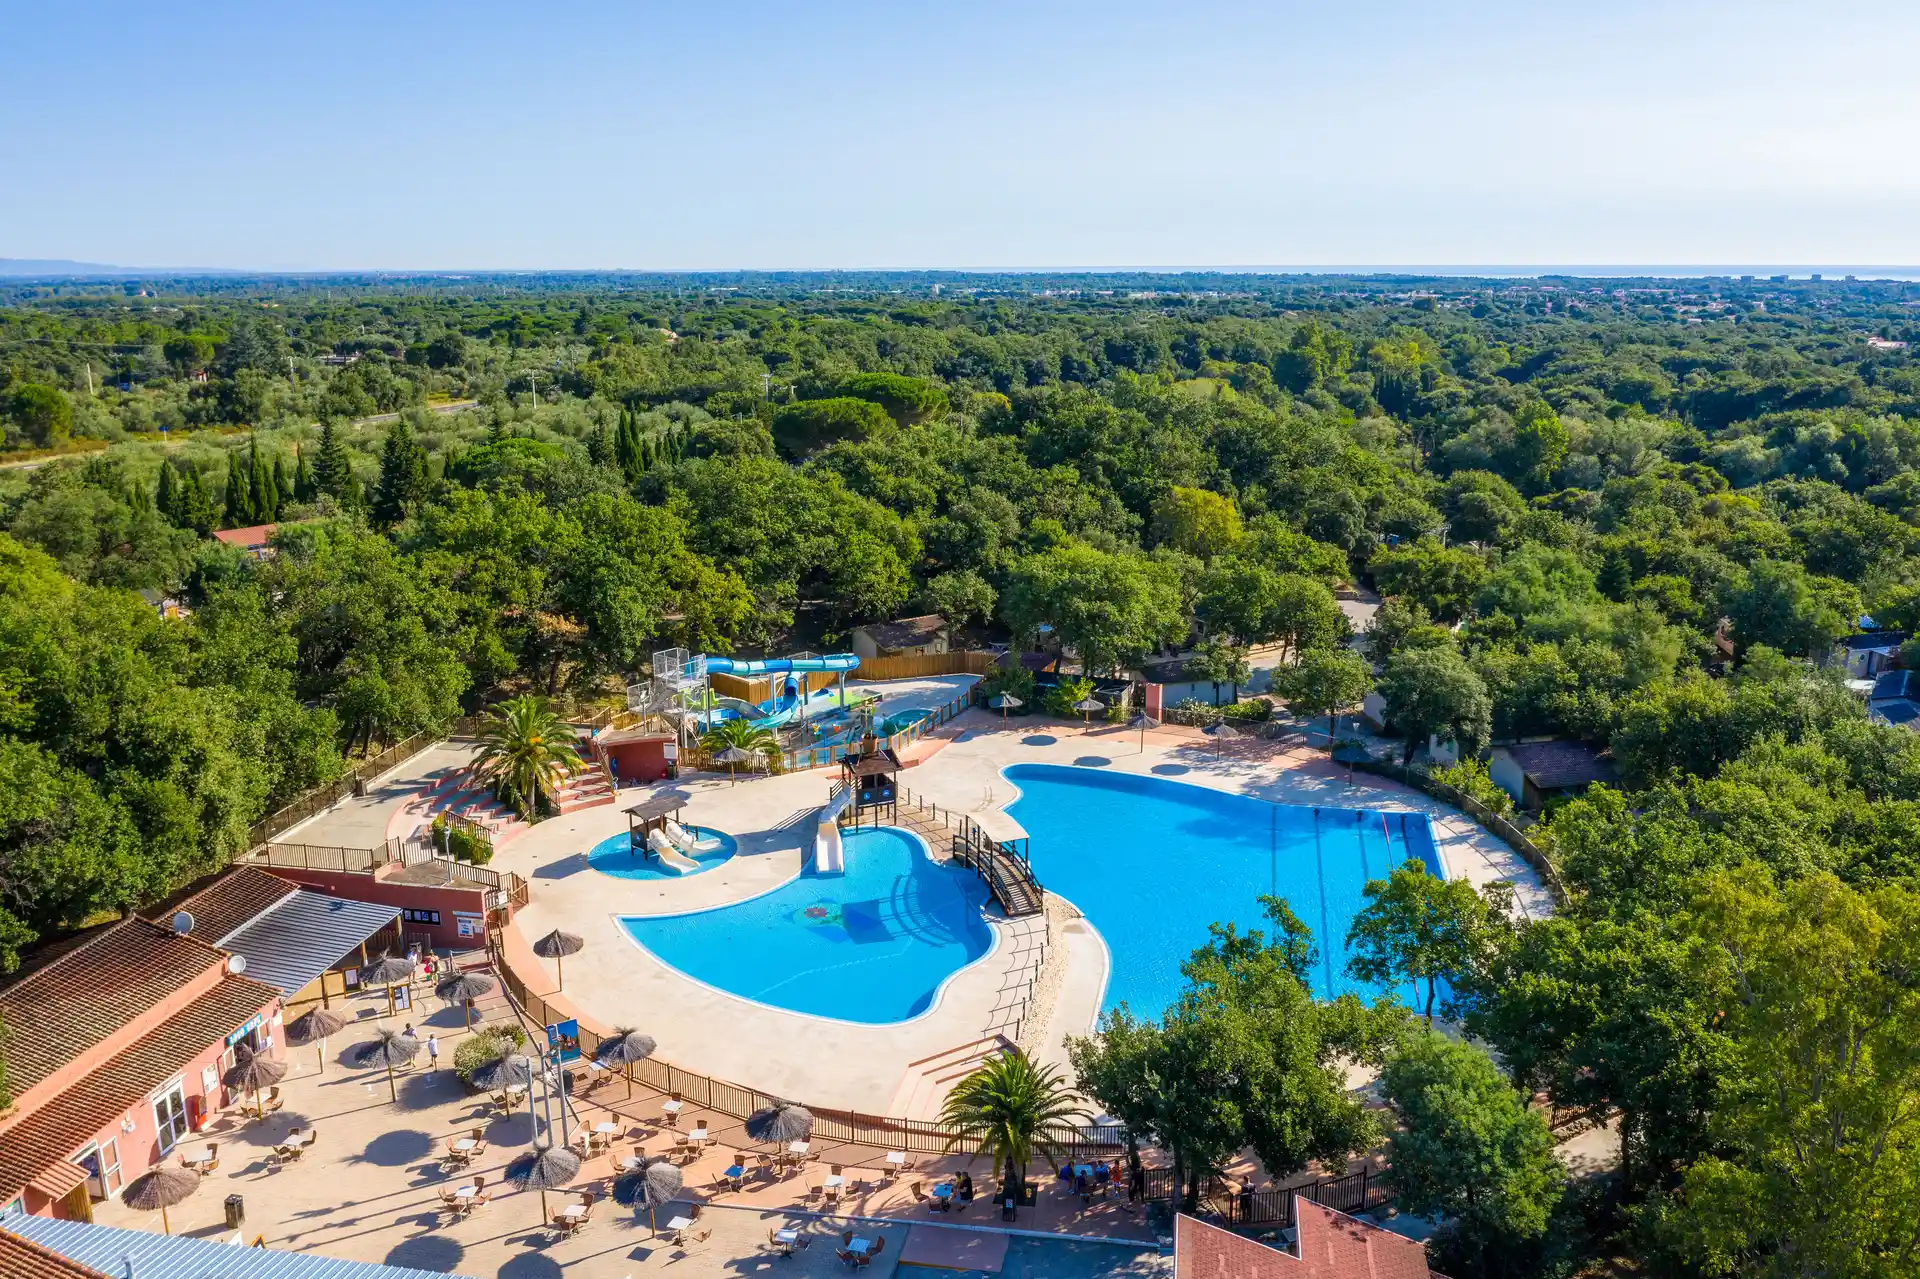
x=587, y=788
x=925, y=1083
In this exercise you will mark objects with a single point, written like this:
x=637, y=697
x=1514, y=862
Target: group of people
x=1087, y=1178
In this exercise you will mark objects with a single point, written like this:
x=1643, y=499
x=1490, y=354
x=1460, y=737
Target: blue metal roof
x=1895, y=684
x=109, y=1249
x=304, y=934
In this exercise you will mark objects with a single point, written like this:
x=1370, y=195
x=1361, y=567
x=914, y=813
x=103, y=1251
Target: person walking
x=433, y=1052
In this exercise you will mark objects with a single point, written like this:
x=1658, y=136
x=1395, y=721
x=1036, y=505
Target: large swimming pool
x=1153, y=862
x=873, y=945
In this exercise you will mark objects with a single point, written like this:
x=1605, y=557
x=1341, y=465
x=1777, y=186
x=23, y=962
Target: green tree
x=262, y=485
x=906, y=399
x=1218, y=660
x=333, y=469
x=195, y=504
x=961, y=596
x=526, y=751
x=239, y=494
x=1417, y=927
x=404, y=481
x=1441, y=579
x=1471, y=1153
x=1325, y=681
x=1786, y=608
x=1201, y=523
x=1013, y=1110
x=305, y=487
x=41, y=415
x=1109, y=608
x=1432, y=692
x=810, y=425
x=743, y=734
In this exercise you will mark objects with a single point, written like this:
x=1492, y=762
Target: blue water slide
x=787, y=698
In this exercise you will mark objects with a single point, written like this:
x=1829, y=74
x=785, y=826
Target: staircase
x=477, y=805
x=588, y=787
x=924, y=1084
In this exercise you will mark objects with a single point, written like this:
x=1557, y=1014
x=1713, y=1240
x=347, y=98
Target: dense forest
x=1635, y=512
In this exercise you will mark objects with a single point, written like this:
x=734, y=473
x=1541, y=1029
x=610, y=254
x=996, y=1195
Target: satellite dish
x=182, y=923
x=236, y=964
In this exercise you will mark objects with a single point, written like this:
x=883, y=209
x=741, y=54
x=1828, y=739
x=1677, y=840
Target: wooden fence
x=925, y=665
x=918, y=1136
x=357, y=861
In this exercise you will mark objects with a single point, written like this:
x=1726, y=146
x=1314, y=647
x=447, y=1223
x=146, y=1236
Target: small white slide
x=669, y=856
x=681, y=838
x=829, y=852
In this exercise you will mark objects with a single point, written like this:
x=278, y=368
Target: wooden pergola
x=650, y=815
x=871, y=779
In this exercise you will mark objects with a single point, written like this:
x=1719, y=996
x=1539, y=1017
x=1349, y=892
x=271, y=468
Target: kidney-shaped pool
x=874, y=945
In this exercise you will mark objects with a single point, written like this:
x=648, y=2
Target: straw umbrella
x=251, y=1072
x=389, y=1048
x=508, y=1070
x=313, y=1027
x=548, y=1167
x=162, y=1188
x=1143, y=721
x=780, y=1123
x=388, y=971
x=1087, y=706
x=1003, y=703
x=464, y=988
x=622, y=1048
x=1222, y=732
x=731, y=756
x=647, y=1182
x=556, y=946
x=1350, y=754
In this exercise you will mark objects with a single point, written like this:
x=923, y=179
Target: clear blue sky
x=975, y=134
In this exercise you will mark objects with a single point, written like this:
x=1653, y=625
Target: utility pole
x=534, y=390
x=89, y=379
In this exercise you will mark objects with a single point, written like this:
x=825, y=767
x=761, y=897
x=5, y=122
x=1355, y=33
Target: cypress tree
x=260, y=486
x=239, y=498
x=600, y=446
x=166, y=495
x=333, y=471
x=304, y=488
x=138, y=497
x=403, y=476
x=282, y=486
x=196, y=508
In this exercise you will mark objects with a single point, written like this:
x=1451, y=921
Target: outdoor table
x=606, y=1129
x=698, y=1134
x=943, y=1191
x=465, y=1143
x=466, y=1192
x=834, y=1182
x=798, y=1147
x=898, y=1158
x=734, y=1173
x=1083, y=1170
x=678, y=1224
x=670, y=1107
x=573, y=1210
x=787, y=1236
x=861, y=1246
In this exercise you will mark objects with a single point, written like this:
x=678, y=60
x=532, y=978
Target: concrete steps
x=589, y=787
x=924, y=1084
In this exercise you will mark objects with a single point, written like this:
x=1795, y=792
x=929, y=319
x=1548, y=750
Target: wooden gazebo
x=871, y=779
x=650, y=815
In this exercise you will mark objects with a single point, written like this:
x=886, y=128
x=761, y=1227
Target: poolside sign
x=563, y=1040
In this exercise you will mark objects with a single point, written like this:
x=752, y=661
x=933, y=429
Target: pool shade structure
x=780, y=1123
x=388, y=971
x=732, y=756
x=1143, y=721
x=1003, y=703
x=165, y=1187
x=622, y=1048
x=252, y=1073
x=464, y=988
x=648, y=1183
x=314, y=1026
x=389, y=1048
x=1351, y=753
x=556, y=946
x=651, y=815
x=1087, y=706
x=1222, y=733
x=871, y=778
x=549, y=1167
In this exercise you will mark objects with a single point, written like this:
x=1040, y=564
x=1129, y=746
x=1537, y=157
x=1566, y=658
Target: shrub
x=1255, y=710
x=468, y=846
x=1063, y=695
x=1470, y=778
x=1017, y=680
x=483, y=1046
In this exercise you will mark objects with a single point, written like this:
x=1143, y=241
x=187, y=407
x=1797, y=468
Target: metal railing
x=1512, y=835
x=321, y=798
x=918, y=1136
x=828, y=753
x=1352, y=1193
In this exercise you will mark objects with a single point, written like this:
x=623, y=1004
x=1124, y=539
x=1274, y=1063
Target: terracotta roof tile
x=230, y=901
x=57, y=1130
x=20, y=1259
x=1331, y=1245
x=79, y=999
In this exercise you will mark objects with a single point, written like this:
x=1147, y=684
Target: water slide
x=669, y=856
x=829, y=853
x=787, y=701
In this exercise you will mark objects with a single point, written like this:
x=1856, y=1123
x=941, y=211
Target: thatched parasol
x=388, y=971
x=780, y=1123
x=556, y=946
x=622, y=1048
x=389, y=1048
x=1143, y=721
x=162, y=1188
x=1221, y=732
x=546, y=1168
x=648, y=1184
x=509, y=1070
x=464, y=988
x=731, y=756
x=251, y=1072
x=313, y=1027
x=1004, y=702
x=1087, y=706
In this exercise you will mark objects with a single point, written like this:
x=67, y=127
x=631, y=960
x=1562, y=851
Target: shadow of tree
x=426, y=1252
x=397, y=1149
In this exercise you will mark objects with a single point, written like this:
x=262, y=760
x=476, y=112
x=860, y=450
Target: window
x=170, y=1115
x=421, y=916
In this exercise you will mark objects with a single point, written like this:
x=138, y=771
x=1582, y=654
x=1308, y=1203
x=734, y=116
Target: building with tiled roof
x=1326, y=1245
x=1533, y=772
x=24, y=1259
x=232, y=900
x=902, y=637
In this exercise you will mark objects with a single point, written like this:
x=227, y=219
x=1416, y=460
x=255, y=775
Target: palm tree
x=745, y=735
x=526, y=748
x=1009, y=1108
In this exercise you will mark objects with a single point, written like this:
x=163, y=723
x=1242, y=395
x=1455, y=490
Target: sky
x=980, y=134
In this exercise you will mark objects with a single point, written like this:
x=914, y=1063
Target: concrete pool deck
x=871, y=1068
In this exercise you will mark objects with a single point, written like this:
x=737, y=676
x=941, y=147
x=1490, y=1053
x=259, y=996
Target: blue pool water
x=615, y=855
x=1152, y=863
x=873, y=945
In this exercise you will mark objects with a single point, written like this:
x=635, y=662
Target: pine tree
x=600, y=446
x=239, y=498
x=166, y=495
x=403, y=476
x=196, y=507
x=304, y=488
x=138, y=497
x=260, y=485
x=282, y=486
x=333, y=471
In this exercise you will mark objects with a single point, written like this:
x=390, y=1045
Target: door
x=90, y=1163
x=110, y=1176
x=170, y=1115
